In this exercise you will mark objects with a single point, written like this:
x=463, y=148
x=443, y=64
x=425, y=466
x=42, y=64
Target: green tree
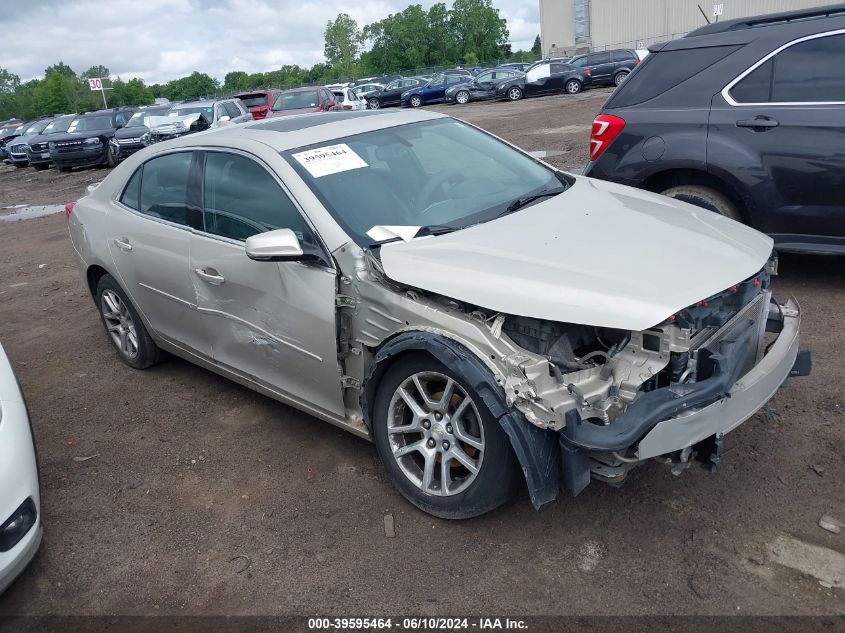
x=343, y=43
x=196, y=84
x=235, y=80
x=98, y=71
x=537, y=49
x=478, y=28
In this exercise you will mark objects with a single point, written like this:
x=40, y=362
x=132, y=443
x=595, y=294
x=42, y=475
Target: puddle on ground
x=547, y=153
x=26, y=212
x=824, y=564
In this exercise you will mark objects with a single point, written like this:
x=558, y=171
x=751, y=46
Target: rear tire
x=125, y=330
x=619, y=77
x=706, y=198
x=462, y=97
x=447, y=435
x=63, y=168
x=573, y=87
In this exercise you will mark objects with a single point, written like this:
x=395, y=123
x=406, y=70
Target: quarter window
x=810, y=71
x=232, y=109
x=241, y=199
x=600, y=58
x=132, y=192
x=164, y=190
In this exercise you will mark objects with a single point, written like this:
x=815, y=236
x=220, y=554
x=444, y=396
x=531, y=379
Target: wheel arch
x=93, y=274
x=674, y=177
x=536, y=449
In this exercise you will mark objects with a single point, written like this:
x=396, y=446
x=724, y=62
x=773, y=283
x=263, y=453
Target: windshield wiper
x=526, y=200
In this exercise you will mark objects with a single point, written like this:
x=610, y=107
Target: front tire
x=573, y=87
x=416, y=101
x=619, y=77
x=442, y=448
x=374, y=104
x=111, y=159
x=124, y=327
x=41, y=166
x=514, y=93
x=462, y=97
x=706, y=198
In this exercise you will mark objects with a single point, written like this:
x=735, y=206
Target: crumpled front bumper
x=747, y=395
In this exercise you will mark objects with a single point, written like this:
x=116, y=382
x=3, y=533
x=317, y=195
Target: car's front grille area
x=20, y=148
x=38, y=147
x=68, y=146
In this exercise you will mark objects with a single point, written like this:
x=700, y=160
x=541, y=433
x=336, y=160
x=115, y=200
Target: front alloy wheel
x=435, y=433
x=462, y=96
x=439, y=443
x=374, y=104
x=416, y=101
x=573, y=86
x=514, y=94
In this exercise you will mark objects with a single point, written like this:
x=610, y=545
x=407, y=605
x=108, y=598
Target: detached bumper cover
x=748, y=394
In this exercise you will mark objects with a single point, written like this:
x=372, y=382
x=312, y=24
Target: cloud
x=160, y=40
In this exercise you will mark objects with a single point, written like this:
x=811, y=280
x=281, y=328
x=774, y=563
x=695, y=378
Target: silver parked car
x=481, y=316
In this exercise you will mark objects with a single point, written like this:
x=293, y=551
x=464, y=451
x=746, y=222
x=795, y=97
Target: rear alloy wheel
x=374, y=104
x=706, y=198
x=441, y=447
x=514, y=93
x=573, y=86
x=124, y=326
x=619, y=77
x=416, y=101
x=462, y=96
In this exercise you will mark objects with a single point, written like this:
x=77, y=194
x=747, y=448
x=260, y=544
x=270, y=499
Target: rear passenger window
x=600, y=58
x=164, y=189
x=133, y=190
x=232, y=109
x=242, y=199
x=809, y=71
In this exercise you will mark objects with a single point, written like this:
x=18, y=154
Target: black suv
x=744, y=117
x=38, y=147
x=86, y=142
x=135, y=135
x=608, y=68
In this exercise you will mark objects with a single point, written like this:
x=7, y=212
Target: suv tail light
x=606, y=128
x=69, y=209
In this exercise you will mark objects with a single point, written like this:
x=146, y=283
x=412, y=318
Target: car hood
x=164, y=122
x=135, y=131
x=72, y=136
x=598, y=254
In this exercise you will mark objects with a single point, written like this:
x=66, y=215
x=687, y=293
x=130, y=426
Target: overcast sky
x=159, y=40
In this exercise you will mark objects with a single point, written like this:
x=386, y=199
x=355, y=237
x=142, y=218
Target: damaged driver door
x=270, y=322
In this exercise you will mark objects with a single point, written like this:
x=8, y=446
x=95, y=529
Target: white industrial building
x=570, y=26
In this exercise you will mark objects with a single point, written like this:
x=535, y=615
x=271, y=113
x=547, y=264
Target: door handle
x=211, y=277
x=122, y=243
x=759, y=122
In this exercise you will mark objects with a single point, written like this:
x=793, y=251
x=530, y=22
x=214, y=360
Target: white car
x=20, y=502
x=347, y=99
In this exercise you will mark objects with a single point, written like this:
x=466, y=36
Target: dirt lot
x=188, y=472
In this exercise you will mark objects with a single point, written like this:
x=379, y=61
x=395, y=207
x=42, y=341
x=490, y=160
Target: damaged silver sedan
x=485, y=319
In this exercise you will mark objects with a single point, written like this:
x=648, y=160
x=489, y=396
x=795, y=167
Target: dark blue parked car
x=435, y=89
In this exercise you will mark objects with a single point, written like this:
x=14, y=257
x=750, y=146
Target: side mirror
x=280, y=245
x=224, y=118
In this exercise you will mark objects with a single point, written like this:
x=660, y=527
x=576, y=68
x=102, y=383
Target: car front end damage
x=581, y=402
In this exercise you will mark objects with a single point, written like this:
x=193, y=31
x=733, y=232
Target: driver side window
x=242, y=199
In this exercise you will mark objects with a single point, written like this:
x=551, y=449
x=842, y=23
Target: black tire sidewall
x=518, y=91
x=619, y=78
x=148, y=353
x=462, y=92
x=415, y=101
x=571, y=81
x=496, y=479
x=371, y=101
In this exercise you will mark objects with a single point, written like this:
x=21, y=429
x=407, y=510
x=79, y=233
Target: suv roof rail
x=770, y=19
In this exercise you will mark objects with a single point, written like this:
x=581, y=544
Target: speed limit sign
x=95, y=84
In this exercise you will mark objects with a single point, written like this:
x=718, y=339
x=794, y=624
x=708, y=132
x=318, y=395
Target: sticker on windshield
x=331, y=159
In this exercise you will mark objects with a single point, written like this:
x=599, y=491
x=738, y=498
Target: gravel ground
x=190, y=473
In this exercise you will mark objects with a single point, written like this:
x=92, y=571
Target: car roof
x=769, y=19
x=301, y=89
x=284, y=133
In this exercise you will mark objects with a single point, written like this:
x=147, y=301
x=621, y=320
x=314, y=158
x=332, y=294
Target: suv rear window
x=664, y=70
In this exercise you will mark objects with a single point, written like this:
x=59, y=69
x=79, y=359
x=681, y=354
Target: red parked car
x=259, y=102
x=303, y=100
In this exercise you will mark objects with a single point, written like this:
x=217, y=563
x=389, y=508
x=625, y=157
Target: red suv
x=302, y=100
x=259, y=102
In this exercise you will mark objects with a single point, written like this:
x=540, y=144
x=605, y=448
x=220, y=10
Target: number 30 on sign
x=95, y=84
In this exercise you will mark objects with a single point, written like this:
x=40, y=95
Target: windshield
x=296, y=100
x=59, y=125
x=440, y=173
x=206, y=111
x=87, y=124
x=34, y=129
x=254, y=101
